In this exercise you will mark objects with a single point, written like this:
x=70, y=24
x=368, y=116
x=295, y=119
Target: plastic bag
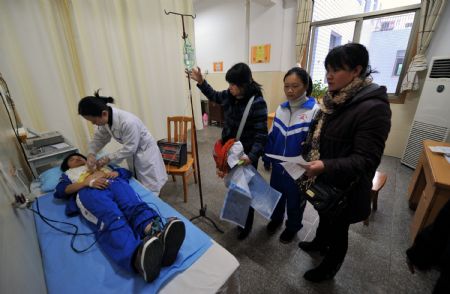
x=246, y=187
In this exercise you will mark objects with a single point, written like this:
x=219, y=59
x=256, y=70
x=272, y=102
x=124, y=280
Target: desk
x=429, y=188
x=47, y=156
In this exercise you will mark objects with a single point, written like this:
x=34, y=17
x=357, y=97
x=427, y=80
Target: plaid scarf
x=331, y=102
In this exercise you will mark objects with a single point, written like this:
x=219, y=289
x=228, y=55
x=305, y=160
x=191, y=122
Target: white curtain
x=305, y=8
x=54, y=52
x=429, y=17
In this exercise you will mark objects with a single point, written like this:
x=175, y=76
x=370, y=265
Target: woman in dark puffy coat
x=344, y=147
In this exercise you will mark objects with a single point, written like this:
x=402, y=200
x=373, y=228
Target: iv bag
x=189, y=55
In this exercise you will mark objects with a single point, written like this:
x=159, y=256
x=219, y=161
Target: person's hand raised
x=195, y=74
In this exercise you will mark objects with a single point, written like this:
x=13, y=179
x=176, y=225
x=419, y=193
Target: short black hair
x=65, y=163
x=349, y=56
x=302, y=75
x=94, y=105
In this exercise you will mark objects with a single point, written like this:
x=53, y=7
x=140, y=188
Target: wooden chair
x=378, y=182
x=177, y=131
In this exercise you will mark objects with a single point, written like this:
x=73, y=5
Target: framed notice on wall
x=218, y=66
x=261, y=54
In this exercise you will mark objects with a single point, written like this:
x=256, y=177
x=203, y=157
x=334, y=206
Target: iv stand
x=202, y=212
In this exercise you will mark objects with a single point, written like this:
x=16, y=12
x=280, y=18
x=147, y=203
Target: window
x=387, y=26
x=385, y=33
x=398, y=63
x=335, y=40
x=325, y=39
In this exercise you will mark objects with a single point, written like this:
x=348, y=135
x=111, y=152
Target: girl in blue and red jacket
x=289, y=130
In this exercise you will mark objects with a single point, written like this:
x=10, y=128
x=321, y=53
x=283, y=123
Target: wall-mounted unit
x=432, y=118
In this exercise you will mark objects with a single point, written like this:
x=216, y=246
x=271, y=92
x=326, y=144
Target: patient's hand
x=96, y=182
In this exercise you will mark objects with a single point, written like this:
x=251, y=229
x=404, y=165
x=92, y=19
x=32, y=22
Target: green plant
x=319, y=89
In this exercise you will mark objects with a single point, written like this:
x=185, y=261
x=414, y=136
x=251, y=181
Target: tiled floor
x=375, y=261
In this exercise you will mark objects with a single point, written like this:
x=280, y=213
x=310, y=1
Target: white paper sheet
x=293, y=169
x=440, y=149
x=295, y=159
x=60, y=145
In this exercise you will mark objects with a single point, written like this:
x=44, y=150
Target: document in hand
x=291, y=164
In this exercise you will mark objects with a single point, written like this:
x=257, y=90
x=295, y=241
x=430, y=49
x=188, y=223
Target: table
x=429, y=188
x=47, y=156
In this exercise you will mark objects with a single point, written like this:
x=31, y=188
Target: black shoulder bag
x=327, y=199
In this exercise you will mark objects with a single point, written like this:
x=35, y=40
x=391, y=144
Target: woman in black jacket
x=344, y=147
x=233, y=101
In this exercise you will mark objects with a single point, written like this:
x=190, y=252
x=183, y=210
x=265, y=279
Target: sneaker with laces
x=148, y=258
x=172, y=237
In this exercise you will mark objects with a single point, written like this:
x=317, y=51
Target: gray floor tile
x=376, y=254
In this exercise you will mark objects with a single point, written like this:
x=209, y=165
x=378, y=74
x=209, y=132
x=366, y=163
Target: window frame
x=397, y=97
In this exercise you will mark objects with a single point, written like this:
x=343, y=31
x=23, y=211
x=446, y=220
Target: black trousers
x=333, y=233
x=432, y=247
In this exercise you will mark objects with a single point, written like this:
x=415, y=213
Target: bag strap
x=244, y=118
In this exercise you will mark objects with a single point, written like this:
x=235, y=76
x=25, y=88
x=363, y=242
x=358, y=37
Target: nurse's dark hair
x=94, y=105
x=241, y=75
x=303, y=76
x=348, y=57
x=65, y=163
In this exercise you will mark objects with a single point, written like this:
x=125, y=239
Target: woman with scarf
x=344, y=147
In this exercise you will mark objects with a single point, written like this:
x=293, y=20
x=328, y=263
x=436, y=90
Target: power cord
x=75, y=233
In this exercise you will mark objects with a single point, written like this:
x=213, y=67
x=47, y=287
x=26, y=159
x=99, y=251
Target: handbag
x=220, y=151
x=327, y=199
x=173, y=153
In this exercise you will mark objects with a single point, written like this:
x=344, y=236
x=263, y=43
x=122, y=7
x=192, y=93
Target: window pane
x=386, y=39
x=327, y=9
x=325, y=39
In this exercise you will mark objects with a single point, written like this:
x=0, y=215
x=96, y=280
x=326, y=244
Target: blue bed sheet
x=92, y=272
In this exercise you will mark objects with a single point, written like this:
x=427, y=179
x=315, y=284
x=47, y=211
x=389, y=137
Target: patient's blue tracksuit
x=289, y=129
x=117, y=214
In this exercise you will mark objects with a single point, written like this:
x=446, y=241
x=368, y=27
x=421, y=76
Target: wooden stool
x=378, y=182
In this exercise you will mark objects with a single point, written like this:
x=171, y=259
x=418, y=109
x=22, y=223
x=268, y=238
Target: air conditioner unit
x=432, y=118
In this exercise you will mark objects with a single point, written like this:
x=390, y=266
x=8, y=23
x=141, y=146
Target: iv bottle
x=189, y=55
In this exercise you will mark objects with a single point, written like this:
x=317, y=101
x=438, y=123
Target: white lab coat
x=139, y=148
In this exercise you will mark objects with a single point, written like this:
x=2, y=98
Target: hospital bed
x=202, y=265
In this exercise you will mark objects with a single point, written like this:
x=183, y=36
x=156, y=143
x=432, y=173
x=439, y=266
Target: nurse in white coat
x=139, y=147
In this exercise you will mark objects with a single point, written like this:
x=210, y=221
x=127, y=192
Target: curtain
x=54, y=52
x=305, y=8
x=429, y=17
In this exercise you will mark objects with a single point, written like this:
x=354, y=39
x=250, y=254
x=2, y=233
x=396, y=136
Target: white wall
x=220, y=35
x=220, y=32
x=20, y=259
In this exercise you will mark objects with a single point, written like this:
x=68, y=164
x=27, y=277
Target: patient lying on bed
x=128, y=230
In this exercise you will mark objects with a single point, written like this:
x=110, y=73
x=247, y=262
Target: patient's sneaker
x=172, y=237
x=148, y=258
